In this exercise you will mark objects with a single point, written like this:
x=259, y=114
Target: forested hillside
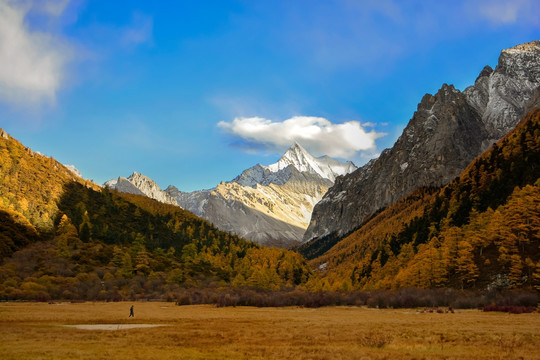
x=64, y=237
x=31, y=185
x=482, y=230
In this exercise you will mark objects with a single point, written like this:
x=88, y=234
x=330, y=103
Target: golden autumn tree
x=536, y=276
x=466, y=267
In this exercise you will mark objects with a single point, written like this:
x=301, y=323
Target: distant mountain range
x=270, y=205
x=447, y=132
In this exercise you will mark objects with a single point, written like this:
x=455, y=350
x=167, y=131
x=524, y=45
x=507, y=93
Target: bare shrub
x=376, y=339
x=402, y=298
x=510, y=309
x=183, y=299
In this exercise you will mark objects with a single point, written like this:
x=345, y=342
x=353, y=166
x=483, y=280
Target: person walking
x=131, y=314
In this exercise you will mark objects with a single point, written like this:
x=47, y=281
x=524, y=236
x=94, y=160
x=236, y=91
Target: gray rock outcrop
x=140, y=185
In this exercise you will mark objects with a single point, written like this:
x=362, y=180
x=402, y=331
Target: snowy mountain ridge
x=297, y=157
x=324, y=166
x=270, y=205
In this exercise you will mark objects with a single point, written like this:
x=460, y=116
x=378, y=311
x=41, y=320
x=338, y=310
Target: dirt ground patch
x=112, y=327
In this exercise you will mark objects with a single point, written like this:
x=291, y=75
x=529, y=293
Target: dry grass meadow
x=39, y=331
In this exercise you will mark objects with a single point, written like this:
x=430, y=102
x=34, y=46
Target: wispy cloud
x=137, y=134
x=369, y=124
x=376, y=34
x=348, y=32
x=503, y=12
x=51, y=7
x=133, y=133
x=139, y=31
x=318, y=135
x=32, y=62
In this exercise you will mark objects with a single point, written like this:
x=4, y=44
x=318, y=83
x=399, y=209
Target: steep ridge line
x=445, y=134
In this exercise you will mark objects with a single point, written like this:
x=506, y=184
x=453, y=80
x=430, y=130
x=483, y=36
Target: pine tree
x=466, y=268
x=127, y=266
x=536, y=277
x=516, y=270
x=62, y=248
x=84, y=234
x=118, y=256
x=142, y=262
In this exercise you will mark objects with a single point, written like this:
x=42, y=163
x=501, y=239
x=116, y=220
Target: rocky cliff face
x=500, y=96
x=271, y=204
x=445, y=134
x=140, y=185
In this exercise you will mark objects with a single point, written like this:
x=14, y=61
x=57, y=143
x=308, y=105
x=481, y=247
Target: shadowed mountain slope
x=481, y=230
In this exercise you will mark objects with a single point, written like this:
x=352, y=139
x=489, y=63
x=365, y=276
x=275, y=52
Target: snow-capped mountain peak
x=296, y=157
x=324, y=166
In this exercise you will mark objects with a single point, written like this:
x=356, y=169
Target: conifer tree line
x=480, y=231
x=109, y=246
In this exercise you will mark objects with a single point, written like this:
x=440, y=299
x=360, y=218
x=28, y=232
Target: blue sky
x=190, y=93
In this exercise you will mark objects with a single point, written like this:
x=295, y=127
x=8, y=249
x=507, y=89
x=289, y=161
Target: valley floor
x=39, y=331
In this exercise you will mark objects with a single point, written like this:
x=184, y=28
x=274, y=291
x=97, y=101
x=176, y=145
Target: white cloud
x=31, y=62
x=316, y=134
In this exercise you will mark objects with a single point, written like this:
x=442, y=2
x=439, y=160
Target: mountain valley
x=454, y=204
x=270, y=205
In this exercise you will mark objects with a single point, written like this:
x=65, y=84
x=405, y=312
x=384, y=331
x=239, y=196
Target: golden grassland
x=38, y=331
